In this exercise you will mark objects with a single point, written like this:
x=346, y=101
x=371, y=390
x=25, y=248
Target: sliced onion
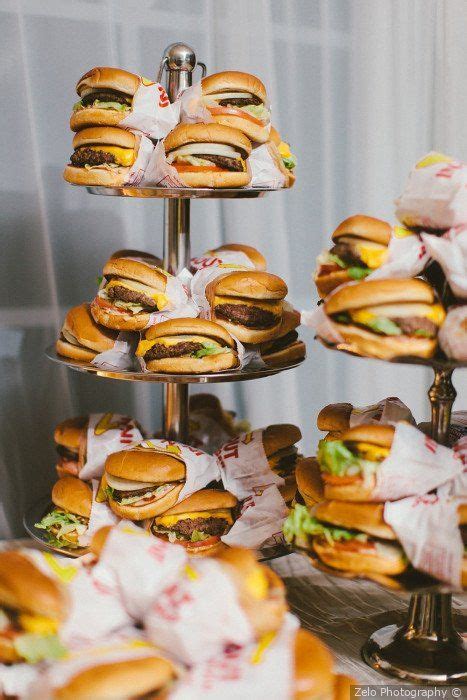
x=119, y=484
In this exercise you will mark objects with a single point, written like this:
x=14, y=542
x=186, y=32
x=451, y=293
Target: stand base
x=393, y=652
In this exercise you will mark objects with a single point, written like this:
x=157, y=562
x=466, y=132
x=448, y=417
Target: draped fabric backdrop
x=361, y=89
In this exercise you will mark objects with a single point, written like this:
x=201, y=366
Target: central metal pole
x=179, y=62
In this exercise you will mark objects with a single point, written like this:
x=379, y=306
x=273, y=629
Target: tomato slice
x=235, y=112
x=107, y=305
x=185, y=168
x=340, y=480
x=203, y=543
x=326, y=269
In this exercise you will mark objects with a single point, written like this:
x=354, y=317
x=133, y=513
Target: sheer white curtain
x=359, y=87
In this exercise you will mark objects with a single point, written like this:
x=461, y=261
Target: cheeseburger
x=248, y=304
x=70, y=444
x=280, y=151
x=287, y=347
x=131, y=291
x=349, y=464
x=81, y=338
x=143, y=481
x=209, y=155
x=187, y=346
x=238, y=100
x=103, y=155
x=387, y=318
x=69, y=519
x=32, y=606
x=106, y=95
x=360, y=246
x=364, y=544
x=198, y=522
x=282, y=454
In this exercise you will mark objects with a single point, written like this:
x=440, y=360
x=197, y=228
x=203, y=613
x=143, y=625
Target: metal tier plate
x=37, y=511
x=239, y=375
x=180, y=192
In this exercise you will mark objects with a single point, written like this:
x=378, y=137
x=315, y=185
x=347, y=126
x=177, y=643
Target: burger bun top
x=366, y=227
x=105, y=77
x=373, y=292
x=73, y=495
x=233, y=81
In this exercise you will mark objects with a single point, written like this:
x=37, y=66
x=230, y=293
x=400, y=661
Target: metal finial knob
x=180, y=57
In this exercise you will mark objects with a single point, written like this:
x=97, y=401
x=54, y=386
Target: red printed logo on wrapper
x=171, y=601
x=163, y=97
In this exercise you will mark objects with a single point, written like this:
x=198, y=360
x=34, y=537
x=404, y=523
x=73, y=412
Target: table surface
x=344, y=613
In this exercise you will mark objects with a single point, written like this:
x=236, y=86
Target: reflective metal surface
x=176, y=417
x=34, y=515
x=179, y=192
x=238, y=375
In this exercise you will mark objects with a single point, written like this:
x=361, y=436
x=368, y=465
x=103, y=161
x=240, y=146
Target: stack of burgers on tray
x=232, y=120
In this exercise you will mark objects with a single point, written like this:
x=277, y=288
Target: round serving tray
x=37, y=511
x=239, y=375
x=180, y=192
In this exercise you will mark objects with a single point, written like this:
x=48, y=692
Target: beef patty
x=66, y=453
x=159, y=352
x=280, y=343
x=105, y=96
x=131, y=296
x=347, y=253
x=409, y=325
x=240, y=101
x=119, y=495
x=223, y=162
x=86, y=156
x=210, y=526
x=249, y=316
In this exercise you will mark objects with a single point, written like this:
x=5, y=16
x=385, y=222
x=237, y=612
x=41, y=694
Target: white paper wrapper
x=427, y=527
x=151, y=114
x=264, y=171
x=192, y=109
x=240, y=673
x=321, y=324
x=388, y=411
x=407, y=256
x=158, y=172
x=261, y=519
x=450, y=251
x=435, y=196
x=416, y=464
x=453, y=333
x=101, y=516
x=180, y=305
x=457, y=488
x=106, y=433
x=133, y=555
x=16, y=680
x=136, y=173
x=181, y=620
x=225, y=258
x=121, y=356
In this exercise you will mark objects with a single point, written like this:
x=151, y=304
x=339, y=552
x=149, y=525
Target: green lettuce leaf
x=258, y=111
x=335, y=458
x=336, y=259
x=102, y=105
x=77, y=106
x=358, y=273
x=290, y=162
x=300, y=522
x=342, y=318
x=37, y=647
x=198, y=536
x=209, y=349
x=383, y=325
x=422, y=333
x=66, y=523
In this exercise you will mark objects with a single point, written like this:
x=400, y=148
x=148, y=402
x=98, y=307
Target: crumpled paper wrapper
x=192, y=110
x=17, y=679
x=235, y=259
x=101, y=516
x=264, y=171
x=158, y=172
x=407, y=256
x=427, y=528
x=453, y=333
x=106, y=433
x=121, y=356
x=435, y=196
x=152, y=113
x=136, y=173
x=450, y=251
x=319, y=321
x=260, y=521
x=239, y=673
x=388, y=411
x=181, y=620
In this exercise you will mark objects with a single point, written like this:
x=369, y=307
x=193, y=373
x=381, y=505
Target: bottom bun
x=114, y=177
x=350, y=492
x=292, y=177
x=359, y=562
x=8, y=653
x=292, y=353
x=120, y=321
x=366, y=517
x=151, y=509
x=325, y=284
x=75, y=352
x=226, y=178
x=383, y=347
x=250, y=335
x=194, y=365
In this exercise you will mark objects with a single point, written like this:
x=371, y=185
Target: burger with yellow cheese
x=69, y=519
x=81, y=338
x=282, y=453
x=103, y=155
x=131, y=291
x=70, y=438
x=280, y=150
x=387, y=318
x=287, y=346
x=32, y=607
x=198, y=522
x=360, y=246
x=187, y=345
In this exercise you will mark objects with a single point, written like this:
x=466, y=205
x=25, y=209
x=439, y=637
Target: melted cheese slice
x=433, y=312
x=38, y=624
x=145, y=345
x=126, y=484
x=169, y=520
x=159, y=297
x=284, y=149
x=371, y=256
x=257, y=584
x=275, y=306
x=372, y=452
x=123, y=156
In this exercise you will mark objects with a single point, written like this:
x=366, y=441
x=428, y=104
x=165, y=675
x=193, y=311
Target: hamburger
x=106, y=95
x=248, y=304
x=334, y=419
x=350, y=548
x=103, y=155
x=238, y=100
x=146, y=677
x=313, y=677
x=282, y=454
x=198, y=522
x=309, y=481
x=387, y=318
x=287, y=347
x=32, y=607
x=187, y=346
x=209, y=155
x=131, y=292
x=349, y=464
x=360, y=247
x=70, y=438
x=143, y=481
x=260, y=591
x=69, y=519
x=280, y=150
x=81, y=338
x=256, y=258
